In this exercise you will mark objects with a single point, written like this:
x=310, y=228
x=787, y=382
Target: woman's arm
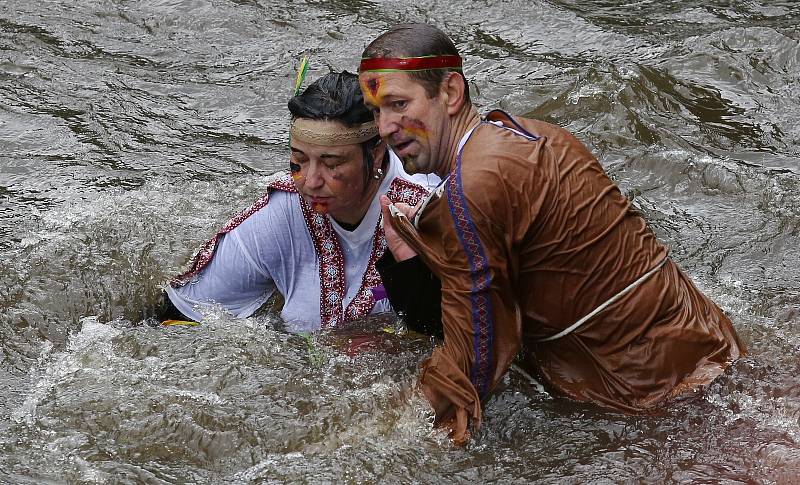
x=414, y=292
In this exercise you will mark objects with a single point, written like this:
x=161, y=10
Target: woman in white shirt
x=316, y=234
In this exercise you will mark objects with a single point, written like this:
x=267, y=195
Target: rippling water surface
x=130, y=130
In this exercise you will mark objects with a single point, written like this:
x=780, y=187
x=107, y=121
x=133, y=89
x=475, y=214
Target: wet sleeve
x=235, y=280
x=481, y=338
x=166, y=310
x=414, y=292
x=479, y=314
x=161, y=310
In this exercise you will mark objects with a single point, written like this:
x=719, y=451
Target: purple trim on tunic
x=378, y=292
x=482, y=313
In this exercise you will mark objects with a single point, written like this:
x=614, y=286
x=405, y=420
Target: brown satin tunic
x=529, y=236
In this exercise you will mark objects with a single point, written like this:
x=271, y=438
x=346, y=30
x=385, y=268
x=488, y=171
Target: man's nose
x=314, y=178
x=387, y=124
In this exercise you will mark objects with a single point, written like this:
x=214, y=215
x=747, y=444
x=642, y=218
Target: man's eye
x=400, y=104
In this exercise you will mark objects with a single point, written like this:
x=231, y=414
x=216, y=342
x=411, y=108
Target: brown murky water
x=130, y=130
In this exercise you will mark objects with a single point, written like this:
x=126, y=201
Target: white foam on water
x=403, y=423
x=767, y=413
x=592, y=90
x=93, y=337
x=210, y=398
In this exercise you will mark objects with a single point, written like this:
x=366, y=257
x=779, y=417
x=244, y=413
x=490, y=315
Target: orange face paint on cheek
x=414, y=128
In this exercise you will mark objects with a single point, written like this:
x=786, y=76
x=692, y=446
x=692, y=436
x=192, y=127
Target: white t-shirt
x=273, y=250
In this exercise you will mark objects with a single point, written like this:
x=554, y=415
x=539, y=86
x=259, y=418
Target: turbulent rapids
x=130, y=131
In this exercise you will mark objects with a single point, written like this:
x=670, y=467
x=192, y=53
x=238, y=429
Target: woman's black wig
x=337, y=97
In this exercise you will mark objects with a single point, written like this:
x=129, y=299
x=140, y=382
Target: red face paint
x=410, y=63
x=371, y=88
x=319, y=207
x=373, y=85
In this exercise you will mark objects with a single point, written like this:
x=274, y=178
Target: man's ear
x=452, y=89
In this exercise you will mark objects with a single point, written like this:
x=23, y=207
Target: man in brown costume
x=536, y=248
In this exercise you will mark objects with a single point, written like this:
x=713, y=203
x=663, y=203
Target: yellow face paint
x=409, y=166
x=295, y=169
x=414, y=128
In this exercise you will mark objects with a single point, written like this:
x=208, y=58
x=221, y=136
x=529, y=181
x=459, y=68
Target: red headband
x=410, y=63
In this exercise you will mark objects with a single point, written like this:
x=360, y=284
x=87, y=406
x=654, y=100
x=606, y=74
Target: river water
x=131, y=130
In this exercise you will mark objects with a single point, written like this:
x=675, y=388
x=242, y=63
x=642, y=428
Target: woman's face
x=331, y=179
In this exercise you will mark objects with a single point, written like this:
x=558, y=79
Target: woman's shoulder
x=278, y=203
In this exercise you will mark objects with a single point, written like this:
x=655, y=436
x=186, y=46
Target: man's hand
x=457, y=428
x=399, y=248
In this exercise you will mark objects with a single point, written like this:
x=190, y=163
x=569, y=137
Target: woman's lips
x=320, y=204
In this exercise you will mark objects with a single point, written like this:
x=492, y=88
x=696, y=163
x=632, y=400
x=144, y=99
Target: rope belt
x=608, y=302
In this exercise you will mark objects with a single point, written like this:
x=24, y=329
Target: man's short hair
x=417, y=40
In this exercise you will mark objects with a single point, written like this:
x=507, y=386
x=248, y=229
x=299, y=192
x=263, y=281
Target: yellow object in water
x=179, y=322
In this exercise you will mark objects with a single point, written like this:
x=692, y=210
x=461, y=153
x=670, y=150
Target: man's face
x=412, y=123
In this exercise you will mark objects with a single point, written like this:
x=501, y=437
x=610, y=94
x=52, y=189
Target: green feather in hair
x=301, y=75
x=298, y=83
